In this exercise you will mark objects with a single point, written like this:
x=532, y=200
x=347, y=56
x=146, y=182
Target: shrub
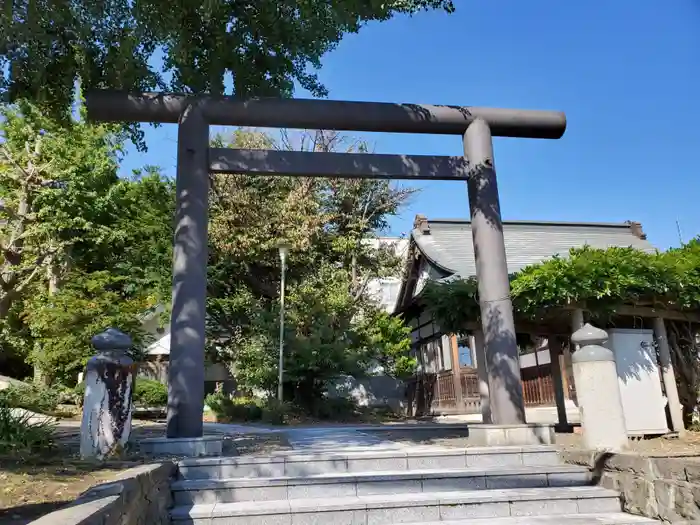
x=235, y=409
x=150, y=393
x=18, y=434
x=335, y=408
x=147, y=393
x=39, y=399
x=275, y=412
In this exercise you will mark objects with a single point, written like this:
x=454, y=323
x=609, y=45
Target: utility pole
x=284, y=251
x=680, y=233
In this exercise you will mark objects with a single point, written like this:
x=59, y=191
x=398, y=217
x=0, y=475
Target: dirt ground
x=30, y=491
x=688, y=445
x=32, y=487
x=257, y=444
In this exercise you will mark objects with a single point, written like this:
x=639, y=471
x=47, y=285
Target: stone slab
x=362, y=461
x=190, y=447
x=201, y=491
x=613, y=518
x=512, y=435
x=393, y=508
x=336, y=439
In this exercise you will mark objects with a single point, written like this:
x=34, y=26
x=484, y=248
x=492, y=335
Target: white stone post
x=598, y=391
x=107, y=409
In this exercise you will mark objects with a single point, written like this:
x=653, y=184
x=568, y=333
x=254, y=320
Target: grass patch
x=21, y=435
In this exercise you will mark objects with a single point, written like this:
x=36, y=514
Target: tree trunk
x=54, y=271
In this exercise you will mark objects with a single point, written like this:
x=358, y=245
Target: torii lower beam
x=195, y=160
x=339, y=165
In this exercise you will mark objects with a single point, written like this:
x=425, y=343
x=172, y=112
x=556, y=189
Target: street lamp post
x=284, y=251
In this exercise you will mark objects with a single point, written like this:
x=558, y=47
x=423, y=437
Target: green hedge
x=150, y=393
x=246, y=409
x=271, y=411
x=38, y=399
x=147, y=393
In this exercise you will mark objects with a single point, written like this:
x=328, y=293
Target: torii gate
x=195, y=160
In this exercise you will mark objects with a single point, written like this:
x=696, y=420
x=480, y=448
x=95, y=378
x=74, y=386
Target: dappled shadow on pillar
x=483, y=194
x=503, y=366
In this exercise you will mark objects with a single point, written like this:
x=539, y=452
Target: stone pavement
x=330, y=438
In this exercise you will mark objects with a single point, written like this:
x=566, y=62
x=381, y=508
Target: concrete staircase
x=421, y=485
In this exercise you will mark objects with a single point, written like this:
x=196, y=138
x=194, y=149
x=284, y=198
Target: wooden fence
x=437, y=393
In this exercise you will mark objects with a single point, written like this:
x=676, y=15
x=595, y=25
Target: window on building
x=445, y=353
x=464, y=351
x=390, y=292
x=429, y=357
x=525, y=343
x=436, y=355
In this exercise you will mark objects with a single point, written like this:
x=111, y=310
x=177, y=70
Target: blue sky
x=627, y=74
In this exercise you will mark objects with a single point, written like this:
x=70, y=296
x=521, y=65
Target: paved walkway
x=313, y=438
x=335, y=438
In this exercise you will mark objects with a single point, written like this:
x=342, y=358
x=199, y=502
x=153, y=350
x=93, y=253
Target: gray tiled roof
x=449, y=243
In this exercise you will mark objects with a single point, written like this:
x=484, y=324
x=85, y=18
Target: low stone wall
x=373, y=391
x=138, y=496
x=665, y=488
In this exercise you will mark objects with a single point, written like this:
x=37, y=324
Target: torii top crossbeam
x=109, y=106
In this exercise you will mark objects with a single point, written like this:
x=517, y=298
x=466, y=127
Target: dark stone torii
x=195, y=161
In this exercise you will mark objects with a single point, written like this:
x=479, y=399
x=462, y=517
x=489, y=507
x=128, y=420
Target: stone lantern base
x=190, y=447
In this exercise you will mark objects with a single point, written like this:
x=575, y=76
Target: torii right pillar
x=502, y=359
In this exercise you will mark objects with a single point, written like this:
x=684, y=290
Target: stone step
x=611, y=518
x=306, y=464
x=403, y=508
x=201, y=491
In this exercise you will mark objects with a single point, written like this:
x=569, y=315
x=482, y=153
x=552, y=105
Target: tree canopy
x=81, y=249
x=332, y=327
x=262, y=47
x=84, y=249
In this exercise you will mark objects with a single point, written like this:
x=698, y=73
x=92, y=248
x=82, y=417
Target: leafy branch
x=602, y=280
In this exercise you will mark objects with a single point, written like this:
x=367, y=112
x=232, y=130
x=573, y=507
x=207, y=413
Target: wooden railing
x=436, y=393
x=446, y=389
x=538, y=391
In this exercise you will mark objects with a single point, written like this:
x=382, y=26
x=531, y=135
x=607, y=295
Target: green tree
x=332, y=326
x=81, y=249
x=265, y=45
x=54, y=185
x=63, y=324
x=110, y=284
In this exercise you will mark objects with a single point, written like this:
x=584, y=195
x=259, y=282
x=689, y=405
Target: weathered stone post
x=598, y=391
x=107, y=409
